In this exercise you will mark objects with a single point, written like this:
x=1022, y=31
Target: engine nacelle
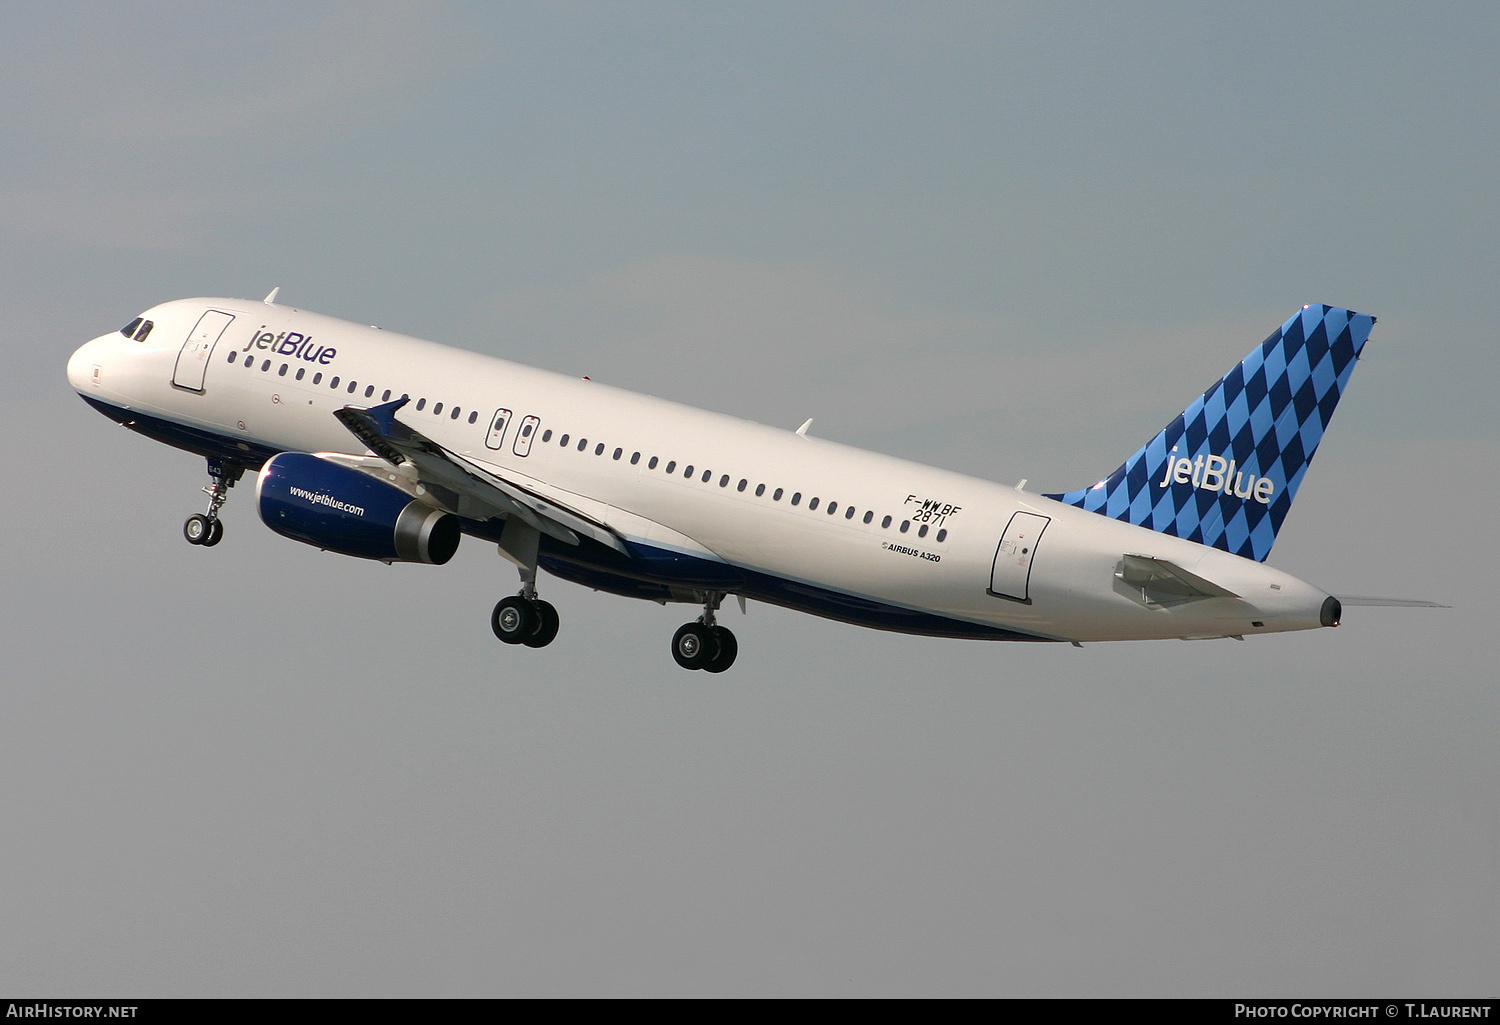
x=343, y=510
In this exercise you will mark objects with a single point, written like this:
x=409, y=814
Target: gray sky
x=1013, y=240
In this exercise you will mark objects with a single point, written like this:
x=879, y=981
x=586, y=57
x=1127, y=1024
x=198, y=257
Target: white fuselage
x=938, y=553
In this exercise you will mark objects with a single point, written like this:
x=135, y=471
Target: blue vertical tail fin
x=1225, y=471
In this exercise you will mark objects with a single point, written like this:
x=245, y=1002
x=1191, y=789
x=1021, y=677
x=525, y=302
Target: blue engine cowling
x=343, y=510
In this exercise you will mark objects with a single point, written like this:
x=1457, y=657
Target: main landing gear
x=526, y=619
x=207, y=529
x=703, y=644
x=523, y=618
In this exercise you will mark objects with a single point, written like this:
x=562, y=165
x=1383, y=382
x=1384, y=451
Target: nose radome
x=81, y=364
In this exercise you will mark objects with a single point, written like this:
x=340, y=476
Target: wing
x=473, y=491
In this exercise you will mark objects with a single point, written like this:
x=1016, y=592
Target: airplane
x=381, y=446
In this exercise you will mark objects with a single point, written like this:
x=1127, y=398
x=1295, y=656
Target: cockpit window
x=144, y=330
x=129, y=329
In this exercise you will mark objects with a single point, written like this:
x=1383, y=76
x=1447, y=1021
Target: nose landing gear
x=703, y=644
x=205, y=528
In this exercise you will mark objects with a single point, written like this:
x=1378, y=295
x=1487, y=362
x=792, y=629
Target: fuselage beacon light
x=381, y=446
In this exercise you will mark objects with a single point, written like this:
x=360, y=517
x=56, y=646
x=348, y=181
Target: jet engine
x=340, y=509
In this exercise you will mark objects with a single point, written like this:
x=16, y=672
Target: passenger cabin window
x=333, y=383
x=870, y=515
x=942, y=535
x=618, y=453
x=437, y=409
x=421, y=403
x=776, y=495
x=796, y=497
x=563, y=441
x=385, y=396
x=885, y=523
x=708, y=475
x=300, y=372
x=688, y=473
x=760, y=489
x=635, y=457
x=671, y=465
x=283, y=370
x=811, y=505
x=317, y=378
x=369, y=390
x=599, y=449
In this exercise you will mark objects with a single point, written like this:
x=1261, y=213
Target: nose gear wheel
x=197, y=529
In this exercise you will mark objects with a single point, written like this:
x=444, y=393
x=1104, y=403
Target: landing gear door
x=1010, y=576
x=192, y=361
x=498, y=423
x=525, y=434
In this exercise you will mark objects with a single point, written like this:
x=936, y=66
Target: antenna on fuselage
x=802, y=431
x=270, y=299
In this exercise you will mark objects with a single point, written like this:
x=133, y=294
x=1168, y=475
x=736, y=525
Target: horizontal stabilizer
x=1407, y=603
x=1165, y=583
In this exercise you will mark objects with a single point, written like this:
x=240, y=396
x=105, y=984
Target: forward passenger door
x=192, y=361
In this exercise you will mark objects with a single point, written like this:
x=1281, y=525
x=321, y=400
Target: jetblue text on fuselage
x=1215, y=473
x=294, y=344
